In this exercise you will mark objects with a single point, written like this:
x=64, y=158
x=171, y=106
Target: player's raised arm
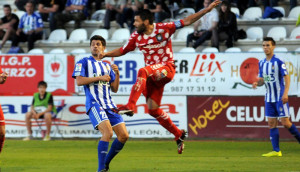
x=114, y=53
x=194, y=17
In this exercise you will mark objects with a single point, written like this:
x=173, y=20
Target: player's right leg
x=159, y=73
x=285, y=121
x=28, y=117
x=2, y=135
x=164, y=120
x=48, y=121
x=101, y=122
x=272, y=115
x=136, y=91
x=119, y=127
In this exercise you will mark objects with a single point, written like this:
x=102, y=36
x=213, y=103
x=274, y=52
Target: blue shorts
x=277, y=109
x=97, y=114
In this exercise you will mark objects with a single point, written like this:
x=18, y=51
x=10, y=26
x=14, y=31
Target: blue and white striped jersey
x=273, y=72
x=76, y=2
x=97, y=92
x=30, y=22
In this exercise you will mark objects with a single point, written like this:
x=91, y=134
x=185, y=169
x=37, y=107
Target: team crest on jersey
x=280, y=109
x=273, y=67
x=159, y=37
x=283, y=66
x=78, y=67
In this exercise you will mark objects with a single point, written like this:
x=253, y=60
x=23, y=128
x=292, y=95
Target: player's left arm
x=115, y=84
x=285, y=97
x=39, y=24
x=194, y=17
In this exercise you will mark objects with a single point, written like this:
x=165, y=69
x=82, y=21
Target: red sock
x=164, y=119
x=137, y=88
x=2, y=138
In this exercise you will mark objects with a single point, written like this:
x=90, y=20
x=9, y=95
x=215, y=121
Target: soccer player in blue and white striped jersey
x=273, y=74
x=98, y=79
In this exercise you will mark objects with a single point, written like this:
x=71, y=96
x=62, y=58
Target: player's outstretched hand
x=214, y=4
x=115, y=68
x=254, y=85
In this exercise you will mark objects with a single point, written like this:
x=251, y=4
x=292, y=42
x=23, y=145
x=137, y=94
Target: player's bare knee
x=2, y=132
x=123, y=137
x=48, y=117
x=28, y=115
x=287, y=124
x=108, y=134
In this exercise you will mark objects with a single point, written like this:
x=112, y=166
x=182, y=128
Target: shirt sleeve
x=80, y=69
x=39, y=22
x=21, y=22
x=84, y=2
x=68, y=3
x=260, y=75
x=173, y=26
x=50, y=102
x=112, y=74
x=282, y=68
x=215, y=16
x=130, y=44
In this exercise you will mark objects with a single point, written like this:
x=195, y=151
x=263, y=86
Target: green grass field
x=147, y=155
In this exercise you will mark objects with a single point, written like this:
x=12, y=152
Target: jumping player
x=98, y=78
x=3, y=77
x=154, y=40
x=273, y=74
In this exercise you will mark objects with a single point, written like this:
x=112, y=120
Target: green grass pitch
x=148, y=155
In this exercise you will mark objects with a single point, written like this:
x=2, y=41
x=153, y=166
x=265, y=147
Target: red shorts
x=159, y=76
x=2, y=122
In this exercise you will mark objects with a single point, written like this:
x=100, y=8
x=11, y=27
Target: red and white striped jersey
x=156, y=47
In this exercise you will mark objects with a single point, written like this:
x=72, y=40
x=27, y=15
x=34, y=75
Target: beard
x=141, y=29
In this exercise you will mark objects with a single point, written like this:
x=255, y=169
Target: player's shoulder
x=106, y=63
x=262, y=61
x=84, y=59
x=278, y=59
x=35, y=94
x=36, y=14
x=163, y=25
x=134, y=34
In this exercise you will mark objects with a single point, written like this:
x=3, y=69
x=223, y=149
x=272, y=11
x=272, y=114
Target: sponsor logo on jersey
x=159, y=37
x=78, y=67
x=155, y=45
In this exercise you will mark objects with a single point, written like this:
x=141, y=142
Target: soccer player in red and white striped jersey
x=154, y=40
